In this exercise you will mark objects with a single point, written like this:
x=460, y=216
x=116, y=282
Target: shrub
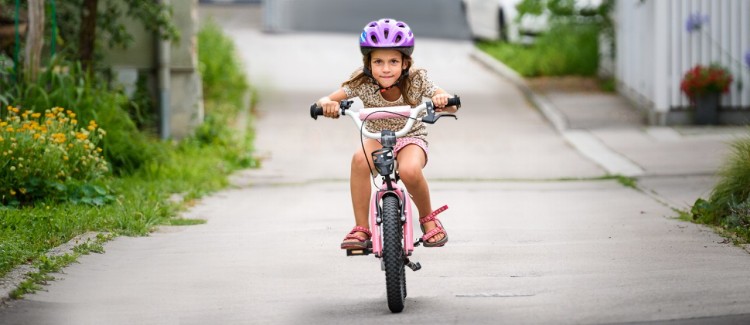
x=225, y=93
x=42, y=153
x=224, y=82
x=568, y=49
x=66, y=84
x=729, y=202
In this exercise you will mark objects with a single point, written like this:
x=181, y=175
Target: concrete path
x=527, y=246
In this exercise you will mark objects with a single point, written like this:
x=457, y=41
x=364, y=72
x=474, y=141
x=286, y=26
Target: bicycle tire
x=393, y=254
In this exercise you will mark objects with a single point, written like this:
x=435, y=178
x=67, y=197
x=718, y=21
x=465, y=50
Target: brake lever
x=446, y=115
x=432, y=117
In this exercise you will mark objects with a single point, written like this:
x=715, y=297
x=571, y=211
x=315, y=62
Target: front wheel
x=393, y=254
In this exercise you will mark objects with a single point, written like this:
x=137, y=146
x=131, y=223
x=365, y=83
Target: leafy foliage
x=729, y=203
x=65, y=84
x=567, y=50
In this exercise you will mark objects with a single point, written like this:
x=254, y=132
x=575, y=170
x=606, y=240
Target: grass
x=568, y=49
x=728, y=205
x=142, y=204
x=46, y=265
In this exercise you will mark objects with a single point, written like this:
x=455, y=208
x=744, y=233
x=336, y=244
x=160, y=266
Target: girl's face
x=386, y=66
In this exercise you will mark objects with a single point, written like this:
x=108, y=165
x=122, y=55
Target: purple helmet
x=387, y=33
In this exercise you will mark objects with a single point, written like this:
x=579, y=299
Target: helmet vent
x=374, y=39
x=401, y=25
x=398, y=38
x=385, y=32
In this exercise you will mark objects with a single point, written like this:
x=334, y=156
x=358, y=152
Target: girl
x=388, y=79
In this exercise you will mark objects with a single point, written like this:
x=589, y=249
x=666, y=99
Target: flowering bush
x=705, y=79
x=41, y=153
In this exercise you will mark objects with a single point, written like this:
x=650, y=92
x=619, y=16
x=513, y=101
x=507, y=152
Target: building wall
x=141, y=58
x=654, y=50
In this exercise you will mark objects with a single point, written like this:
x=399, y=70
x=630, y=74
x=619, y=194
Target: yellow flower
x=9, y=129
x=81, y=136
x=22, y=190
x=74, y=122
x=12, y=192
x=3, y=124
x=36, y=115
x=58, y=137
x=1, y=139
x=37, y=135
x=65, y=157
x=98, y=149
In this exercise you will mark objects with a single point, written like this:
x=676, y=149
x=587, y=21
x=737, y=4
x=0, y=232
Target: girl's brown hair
x=405, y=84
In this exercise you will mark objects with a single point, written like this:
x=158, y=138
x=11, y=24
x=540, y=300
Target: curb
x=582, y=140
x=19, y=274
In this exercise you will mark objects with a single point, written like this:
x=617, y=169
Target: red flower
x=705, y=79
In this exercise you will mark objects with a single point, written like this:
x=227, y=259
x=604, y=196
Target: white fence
x=655, y=49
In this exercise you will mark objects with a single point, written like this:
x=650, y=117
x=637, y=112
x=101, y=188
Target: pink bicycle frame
x=403, y=194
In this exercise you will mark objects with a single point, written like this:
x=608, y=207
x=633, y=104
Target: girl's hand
x=440, y=100
x=330, y=107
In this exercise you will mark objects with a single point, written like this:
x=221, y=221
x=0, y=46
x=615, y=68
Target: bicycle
x=390, y=206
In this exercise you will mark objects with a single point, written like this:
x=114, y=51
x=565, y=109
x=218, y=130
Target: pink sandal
x=362, y=242
x=437, y=230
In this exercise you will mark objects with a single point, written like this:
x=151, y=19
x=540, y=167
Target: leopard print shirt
x=421, y=87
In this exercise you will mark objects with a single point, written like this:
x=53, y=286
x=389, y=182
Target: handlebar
x=389, y=112
x=316, y=111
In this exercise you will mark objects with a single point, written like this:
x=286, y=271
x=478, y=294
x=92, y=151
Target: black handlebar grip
x=455, y=101
x=315, y=111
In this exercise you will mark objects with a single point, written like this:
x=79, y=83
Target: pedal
x=414, y=266
x=359, y=252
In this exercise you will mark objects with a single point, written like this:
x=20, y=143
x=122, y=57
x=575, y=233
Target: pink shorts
x=403, y=142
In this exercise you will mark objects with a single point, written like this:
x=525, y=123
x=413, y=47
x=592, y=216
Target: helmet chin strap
x=381, y=89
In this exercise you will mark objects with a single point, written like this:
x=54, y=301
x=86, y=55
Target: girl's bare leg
x=411, y=160
x=359, y=183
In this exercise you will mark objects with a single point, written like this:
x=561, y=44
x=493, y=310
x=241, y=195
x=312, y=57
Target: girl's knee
x=410, y=173
x=359, y=161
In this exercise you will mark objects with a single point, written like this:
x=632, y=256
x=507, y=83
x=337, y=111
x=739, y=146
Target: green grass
x=568, y=49
x=141, y=205
x=52, y=264
x=728, y=206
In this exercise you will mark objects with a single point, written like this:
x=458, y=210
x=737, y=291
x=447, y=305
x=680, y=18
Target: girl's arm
x=330, y=103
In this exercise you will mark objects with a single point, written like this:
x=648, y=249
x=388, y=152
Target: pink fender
x=377, y=245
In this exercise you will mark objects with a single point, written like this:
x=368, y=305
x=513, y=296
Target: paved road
x=527, y=246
